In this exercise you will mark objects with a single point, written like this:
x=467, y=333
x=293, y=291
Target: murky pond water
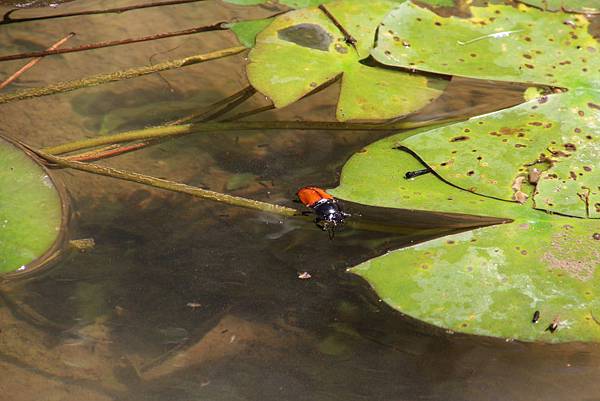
x=183, y=299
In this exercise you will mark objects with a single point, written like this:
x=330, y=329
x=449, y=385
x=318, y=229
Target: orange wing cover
x=309, y=196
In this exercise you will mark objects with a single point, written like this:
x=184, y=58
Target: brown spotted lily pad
x=535, y=164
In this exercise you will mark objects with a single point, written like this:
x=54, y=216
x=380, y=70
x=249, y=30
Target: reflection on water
x=182, y=299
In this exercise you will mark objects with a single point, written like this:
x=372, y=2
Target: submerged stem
x=216, y=108
x=177, y=130
x=135, y=72
x=33, y=62
x=168, y=185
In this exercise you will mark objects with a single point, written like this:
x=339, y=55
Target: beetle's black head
x=329, y=216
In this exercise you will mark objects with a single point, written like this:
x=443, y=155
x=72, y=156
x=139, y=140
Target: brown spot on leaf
x=459, y=138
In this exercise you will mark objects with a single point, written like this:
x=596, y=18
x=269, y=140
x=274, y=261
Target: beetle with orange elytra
x=329, y=213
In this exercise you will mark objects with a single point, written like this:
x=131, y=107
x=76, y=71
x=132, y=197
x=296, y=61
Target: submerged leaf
x=31, y=211
x=498, y=42
x=304, y=49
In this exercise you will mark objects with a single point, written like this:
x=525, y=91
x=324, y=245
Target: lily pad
x=304, y=49
x=498, y=42
x=31, y=210
x=488, y=281
x=246, y=31
x=476, y=282
x=578, y=6
x=493, y=154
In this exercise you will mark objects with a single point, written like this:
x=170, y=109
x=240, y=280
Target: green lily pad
x=498, y=42
x=578, y=6
x=493, y=154
x=303, y=49
x=488, y=281
x=31, y=210
x=246, y=31
x=491, y=280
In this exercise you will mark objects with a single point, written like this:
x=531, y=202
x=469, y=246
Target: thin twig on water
x=33, y=62
x=67, y=86
x=8, y=20
x=220, y=26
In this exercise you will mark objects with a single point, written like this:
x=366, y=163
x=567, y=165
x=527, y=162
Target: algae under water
x=189, y=300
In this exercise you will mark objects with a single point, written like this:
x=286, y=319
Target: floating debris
x=304, y=276
x=83, y=245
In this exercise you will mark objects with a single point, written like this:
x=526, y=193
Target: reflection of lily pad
x=31, y=212
x=302, y=50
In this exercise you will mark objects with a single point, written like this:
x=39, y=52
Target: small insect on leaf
x=536, y=316
x=554, y=325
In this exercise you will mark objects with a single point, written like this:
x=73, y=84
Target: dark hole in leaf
x=307, y=35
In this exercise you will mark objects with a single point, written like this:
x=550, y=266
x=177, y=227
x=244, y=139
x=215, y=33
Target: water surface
x=183, y=299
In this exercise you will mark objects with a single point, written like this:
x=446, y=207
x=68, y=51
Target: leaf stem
x=98, y=45
x=33, y=62
x=183, y=129
x=215, y=107
x=249, y=113
x=8, y=20
x=67, y=86
x=168, y=185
